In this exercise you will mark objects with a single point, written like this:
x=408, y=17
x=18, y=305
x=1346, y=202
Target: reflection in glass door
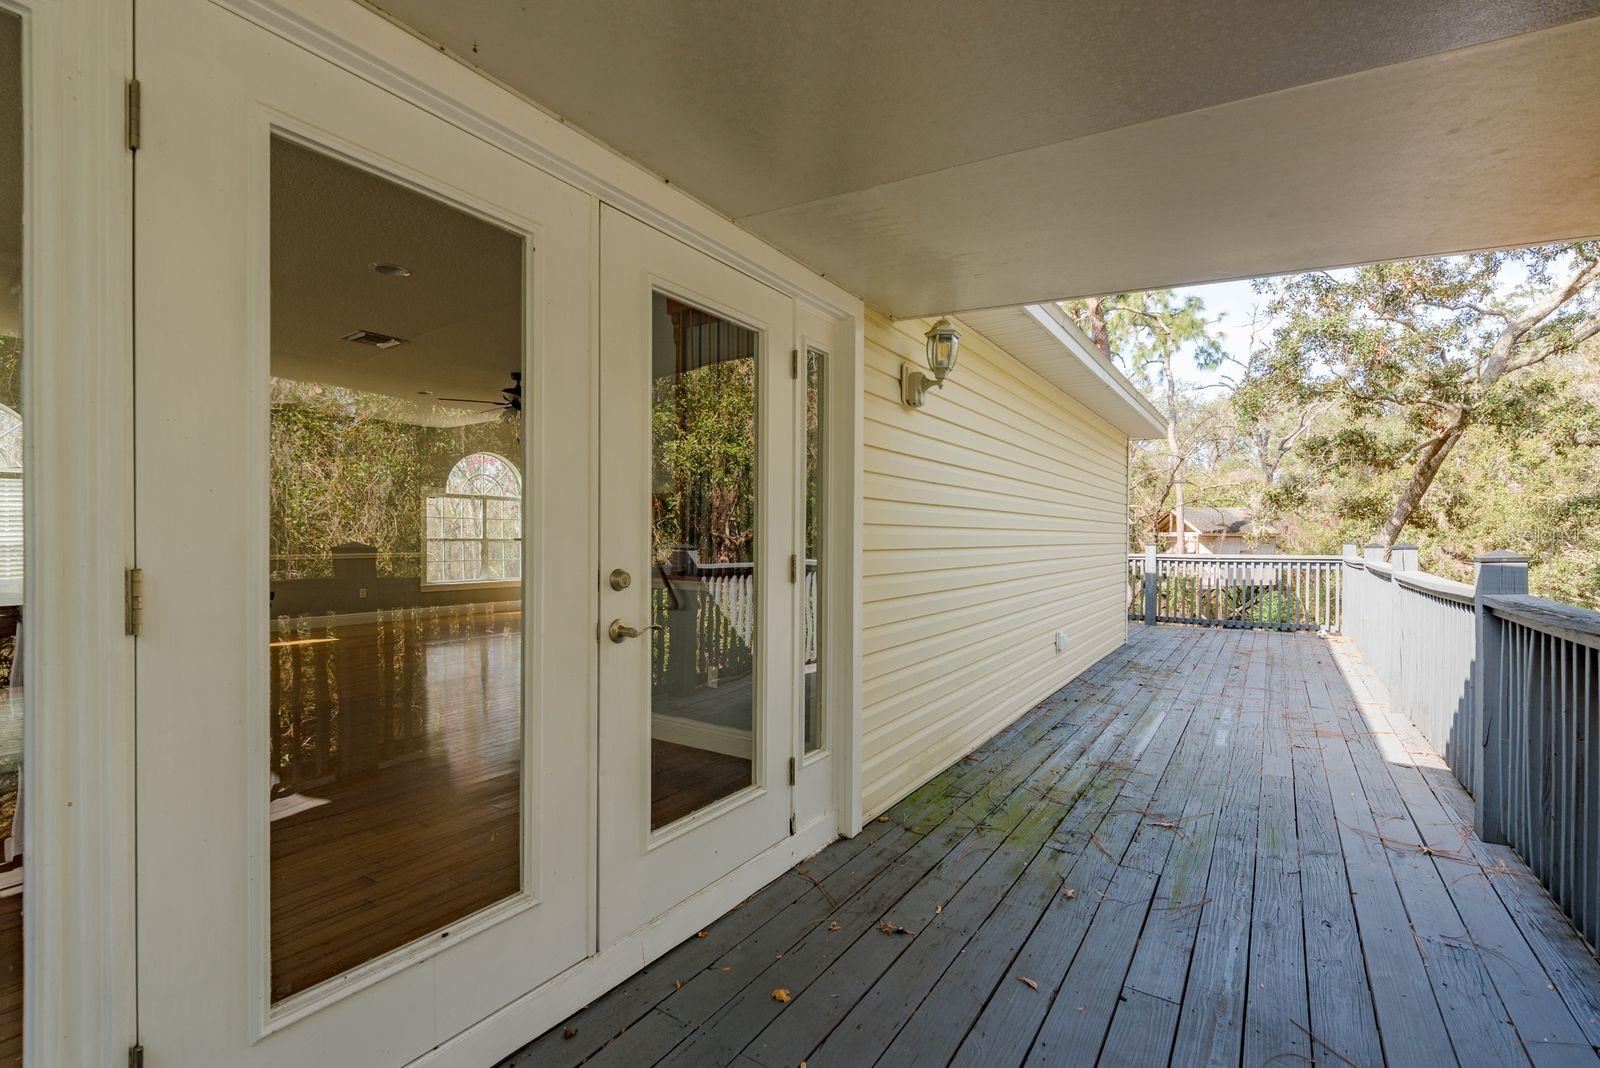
x=813, y=586
x=396, y=567
x=703, y=555
x=12, y=525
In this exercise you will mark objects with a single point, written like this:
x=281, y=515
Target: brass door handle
x=620, y=632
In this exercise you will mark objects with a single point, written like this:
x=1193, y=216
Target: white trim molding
x=78, y=374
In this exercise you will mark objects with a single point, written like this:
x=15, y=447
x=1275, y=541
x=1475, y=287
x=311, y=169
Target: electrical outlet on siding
x=1061, y=641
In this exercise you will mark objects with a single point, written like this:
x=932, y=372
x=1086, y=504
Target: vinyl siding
x=992, y=518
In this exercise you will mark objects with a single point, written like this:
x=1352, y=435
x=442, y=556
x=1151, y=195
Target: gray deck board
x=1215, y=846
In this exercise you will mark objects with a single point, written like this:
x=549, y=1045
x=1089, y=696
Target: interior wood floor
x=683, y=780
x=1214, y=847
x=10, y=979
x=375, y=859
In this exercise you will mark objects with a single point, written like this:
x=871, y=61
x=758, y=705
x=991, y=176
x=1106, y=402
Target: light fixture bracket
x=914, y=385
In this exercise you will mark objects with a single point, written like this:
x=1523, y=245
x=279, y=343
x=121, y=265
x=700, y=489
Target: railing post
x=1498, y=573
x=1375, y=616
x=1346, y=575
x=1404, y=558
x=1152, y=584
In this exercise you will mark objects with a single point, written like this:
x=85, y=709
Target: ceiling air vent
x=373, y=338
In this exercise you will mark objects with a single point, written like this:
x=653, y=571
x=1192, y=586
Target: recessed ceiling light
x=393, y=270
x=373, y=338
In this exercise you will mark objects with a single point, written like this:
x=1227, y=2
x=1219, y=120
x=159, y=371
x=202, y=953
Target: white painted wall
x=993, y=517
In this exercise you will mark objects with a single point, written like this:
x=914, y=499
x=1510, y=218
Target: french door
x=365, y=524
x=699, y=659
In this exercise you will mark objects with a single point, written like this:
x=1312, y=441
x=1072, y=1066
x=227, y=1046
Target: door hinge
x=135, y=1057
x=794, y=568
x=791, y=771
x=794, y=363
x=133, y=114
x=133, y=601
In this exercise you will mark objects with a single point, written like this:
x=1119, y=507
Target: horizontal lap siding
x=992, y=518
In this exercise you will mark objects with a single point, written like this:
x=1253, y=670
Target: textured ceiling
x=830, y=127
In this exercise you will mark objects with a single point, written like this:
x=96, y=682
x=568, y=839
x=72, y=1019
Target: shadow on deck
x=1213, y=847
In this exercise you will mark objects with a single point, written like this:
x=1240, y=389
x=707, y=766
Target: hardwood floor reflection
x=683, y=780
x=11, y=978
x=397, y=747
x=396, y=806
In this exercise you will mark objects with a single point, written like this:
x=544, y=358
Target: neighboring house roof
x=1043, y=339
x=1219, y=520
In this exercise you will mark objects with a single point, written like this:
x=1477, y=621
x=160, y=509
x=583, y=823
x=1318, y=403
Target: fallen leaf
x=727, y=967
x=677, y=984
x=883, y=819
x=890, y=929
x=938, y=910
x=783, y=994
x=703, y=934
x=833, y=925
x=1031, y=984
x=1069, y=892
x=569, y=1032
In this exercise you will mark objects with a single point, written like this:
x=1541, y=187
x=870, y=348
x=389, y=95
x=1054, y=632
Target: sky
x=1230, y=306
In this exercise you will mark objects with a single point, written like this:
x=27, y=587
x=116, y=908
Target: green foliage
x=704, y=496
x=1452, y=402
x=1145, y=333
x=346, y=468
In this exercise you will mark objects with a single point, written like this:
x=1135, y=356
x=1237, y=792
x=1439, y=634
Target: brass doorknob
x=620, y=632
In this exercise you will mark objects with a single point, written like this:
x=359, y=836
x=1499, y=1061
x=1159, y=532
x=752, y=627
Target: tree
x=1144, y=333
x=1418, y=353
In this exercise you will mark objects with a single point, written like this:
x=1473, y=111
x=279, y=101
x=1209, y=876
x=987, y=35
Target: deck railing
x=1506, y=687
x=1263, y=592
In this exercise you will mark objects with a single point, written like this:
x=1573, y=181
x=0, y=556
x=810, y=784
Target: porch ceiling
x=946, y=155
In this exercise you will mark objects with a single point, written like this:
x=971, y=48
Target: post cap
x=1402, y=545
x=1500, y=556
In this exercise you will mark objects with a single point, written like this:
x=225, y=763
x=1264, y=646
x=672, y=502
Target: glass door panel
x=703, y=558
x=812, y=585
x=395, y=538
x=12, y=524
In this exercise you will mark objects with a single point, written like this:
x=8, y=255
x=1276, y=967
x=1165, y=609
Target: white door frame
x=78, y=875
x=80, y=819
x=365, y=42
x=644, y=872
x=204, y=843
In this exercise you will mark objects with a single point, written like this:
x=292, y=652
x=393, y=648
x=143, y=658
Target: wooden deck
x=1214, y=847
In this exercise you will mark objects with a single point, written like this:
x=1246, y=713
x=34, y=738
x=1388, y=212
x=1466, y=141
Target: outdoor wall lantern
x=944, y=341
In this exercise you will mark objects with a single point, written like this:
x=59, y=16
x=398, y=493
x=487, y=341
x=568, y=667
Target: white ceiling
x=947, y=155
